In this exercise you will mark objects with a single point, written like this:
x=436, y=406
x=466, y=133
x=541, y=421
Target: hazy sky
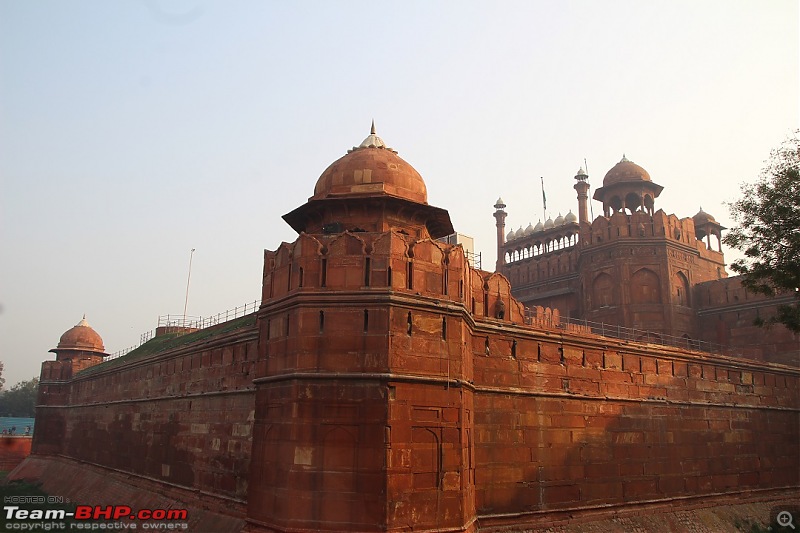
x=133, y=131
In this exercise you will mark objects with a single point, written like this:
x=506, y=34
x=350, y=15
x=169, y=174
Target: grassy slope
x=173, y=340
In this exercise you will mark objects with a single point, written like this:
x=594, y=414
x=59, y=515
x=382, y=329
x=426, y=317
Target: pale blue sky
x=133, y=131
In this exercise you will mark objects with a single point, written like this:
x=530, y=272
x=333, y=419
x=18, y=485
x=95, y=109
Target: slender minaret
x=500, y=216
x=583, y=196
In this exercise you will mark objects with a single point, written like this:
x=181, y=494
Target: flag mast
x=544, y=199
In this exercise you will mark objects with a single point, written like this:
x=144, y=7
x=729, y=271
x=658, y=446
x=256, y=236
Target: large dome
x=81, y=337
x=625, y=171
x=370, y=189
x=371, y=169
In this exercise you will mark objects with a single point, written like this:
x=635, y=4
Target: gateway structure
x=660, y=277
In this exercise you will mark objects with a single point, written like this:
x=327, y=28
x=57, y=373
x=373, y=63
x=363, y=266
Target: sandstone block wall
x=387, y=386
x=183, y=417
x=575, y=423
x=727, y=314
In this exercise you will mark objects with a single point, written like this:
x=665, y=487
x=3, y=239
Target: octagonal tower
x=78, y=348
x=362, y=418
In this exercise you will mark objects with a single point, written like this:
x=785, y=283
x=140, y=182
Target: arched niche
x=603, y=291
x=645, y=287
x=680, y=289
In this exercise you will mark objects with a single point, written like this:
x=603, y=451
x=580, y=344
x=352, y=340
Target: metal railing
x=651, y=337
x=199, y=322
x=143, y=338
x=190, y=323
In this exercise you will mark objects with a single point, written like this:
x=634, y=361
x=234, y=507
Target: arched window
x=633, y=202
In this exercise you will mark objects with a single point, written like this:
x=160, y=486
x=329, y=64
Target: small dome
x=519, y=233
x=581, y=174
x=559, y=221
x=499, y=204
x=510, y=236
x=625, y=171
x=570, y=218
x=549, y=223
x=702, y=217
x=81, y=337
x=539, y=226
x=529, y=229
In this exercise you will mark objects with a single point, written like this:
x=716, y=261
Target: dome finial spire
x=372, y=141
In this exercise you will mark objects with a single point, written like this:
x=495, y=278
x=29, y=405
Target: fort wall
x=182, y=417
x=389, y=385
x=576, y=424
x=727, y=312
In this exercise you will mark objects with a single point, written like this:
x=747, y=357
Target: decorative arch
x=430, y=251
x=426, y=458
x=306, y=246
x=633, y=202
x=645, y=287
x=347, y=244
x=649, y=203
x=680, y=287
x=615, y=203
x=603, y=291
x=283, y=256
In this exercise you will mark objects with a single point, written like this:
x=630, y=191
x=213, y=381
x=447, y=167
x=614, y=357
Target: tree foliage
x=20, y=400
x=2, y=379
x=768, y=231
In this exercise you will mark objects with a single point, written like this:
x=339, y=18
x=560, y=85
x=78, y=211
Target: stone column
x=500, y=217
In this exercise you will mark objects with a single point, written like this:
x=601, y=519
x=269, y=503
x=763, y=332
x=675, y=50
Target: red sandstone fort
x=385, y=384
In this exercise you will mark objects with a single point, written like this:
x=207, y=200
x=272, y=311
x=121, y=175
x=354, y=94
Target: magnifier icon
x=784, y=519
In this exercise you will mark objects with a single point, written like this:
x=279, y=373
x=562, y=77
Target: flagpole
x=188, y=279
x=544, y=199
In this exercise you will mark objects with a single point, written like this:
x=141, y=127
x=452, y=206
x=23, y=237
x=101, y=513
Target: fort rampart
x=350, y=406
x=386, y=385
x=182, y=417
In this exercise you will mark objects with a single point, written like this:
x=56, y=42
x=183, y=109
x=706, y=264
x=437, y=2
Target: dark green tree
x=2, y=379
x=768, y=232
x=20, y=400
